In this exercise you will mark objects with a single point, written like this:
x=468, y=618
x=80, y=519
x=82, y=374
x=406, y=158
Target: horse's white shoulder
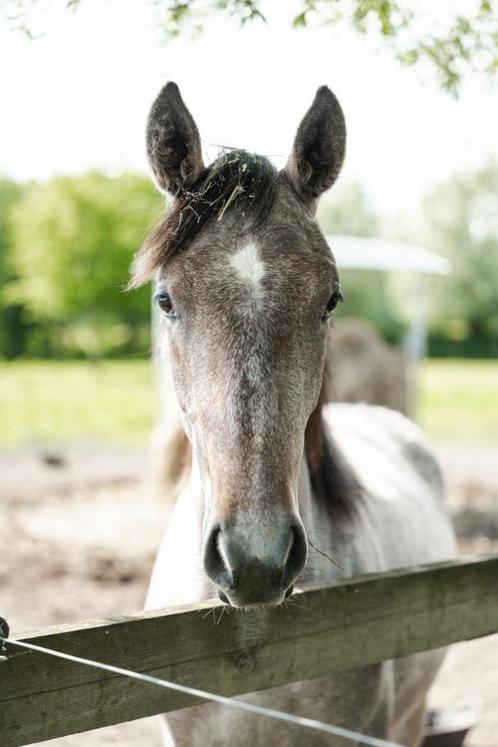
x=404, y=497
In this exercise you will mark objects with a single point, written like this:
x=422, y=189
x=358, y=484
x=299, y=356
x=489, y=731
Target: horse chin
x=271, y=598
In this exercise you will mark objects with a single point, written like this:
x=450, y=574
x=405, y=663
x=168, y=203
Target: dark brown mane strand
x=236, y=179
x=314, y=434
x=333, y=481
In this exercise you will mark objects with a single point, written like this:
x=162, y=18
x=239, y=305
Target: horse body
x=277, y=480
x=401, y=522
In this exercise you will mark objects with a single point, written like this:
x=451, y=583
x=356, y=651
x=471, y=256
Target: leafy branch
x=451, y=49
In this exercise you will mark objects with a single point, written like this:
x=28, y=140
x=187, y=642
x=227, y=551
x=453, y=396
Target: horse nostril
x=296, y=556
x=214, y=563
x=256, y=569
x=289, y=591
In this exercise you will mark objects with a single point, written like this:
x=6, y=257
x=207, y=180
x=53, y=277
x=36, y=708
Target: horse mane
x=236, y=179
x=334, y=483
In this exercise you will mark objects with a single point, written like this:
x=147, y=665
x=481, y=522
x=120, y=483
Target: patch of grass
x=458, y=400
x=53, y=402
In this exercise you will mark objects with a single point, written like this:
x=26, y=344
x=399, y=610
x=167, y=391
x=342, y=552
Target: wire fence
x=195, y=692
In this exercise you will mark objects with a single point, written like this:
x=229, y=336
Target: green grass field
x=76, y=401
x=459, y=400
x=44, y=402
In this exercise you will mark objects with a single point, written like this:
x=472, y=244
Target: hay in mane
x=236, y=179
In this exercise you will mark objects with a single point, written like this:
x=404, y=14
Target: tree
x=346, y=210
x=12, y=328
x=460, y=220
x=73, y=241
x=450, y=46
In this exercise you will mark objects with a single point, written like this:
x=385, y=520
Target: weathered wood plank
x=362, y=621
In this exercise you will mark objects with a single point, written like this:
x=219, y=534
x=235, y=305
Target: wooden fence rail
x=361, y=621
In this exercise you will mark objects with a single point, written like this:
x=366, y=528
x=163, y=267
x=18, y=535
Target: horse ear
x=173, y=142
x=319, y=148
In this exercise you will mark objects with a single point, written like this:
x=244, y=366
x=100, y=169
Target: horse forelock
x=237, y=179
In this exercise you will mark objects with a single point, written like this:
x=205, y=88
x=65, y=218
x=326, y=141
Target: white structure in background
x=362, y=253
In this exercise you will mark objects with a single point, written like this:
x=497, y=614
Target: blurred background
x=81, y=513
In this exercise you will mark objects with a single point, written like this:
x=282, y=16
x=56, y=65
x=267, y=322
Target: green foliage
x=462, y=43
x=66, y=245
x=346, y=210
x=367, y=296
x=73, y=241
x=459, y=44
x=469, y=43
x=461, y=222
x=12, y=328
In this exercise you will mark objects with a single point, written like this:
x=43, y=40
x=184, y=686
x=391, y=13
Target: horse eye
x=166, y=304
x=334, y=299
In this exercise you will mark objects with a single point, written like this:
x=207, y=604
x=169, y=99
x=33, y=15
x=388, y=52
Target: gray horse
x=247, y=285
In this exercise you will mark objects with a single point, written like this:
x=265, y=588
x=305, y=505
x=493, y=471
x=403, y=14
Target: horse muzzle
x=257, y=566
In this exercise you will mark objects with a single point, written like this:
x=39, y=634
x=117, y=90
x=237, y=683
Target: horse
x=275, y=480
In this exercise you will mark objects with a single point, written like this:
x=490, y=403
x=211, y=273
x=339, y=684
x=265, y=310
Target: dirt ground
x=79, y=528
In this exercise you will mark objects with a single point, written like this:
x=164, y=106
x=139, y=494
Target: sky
x=77, y=97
